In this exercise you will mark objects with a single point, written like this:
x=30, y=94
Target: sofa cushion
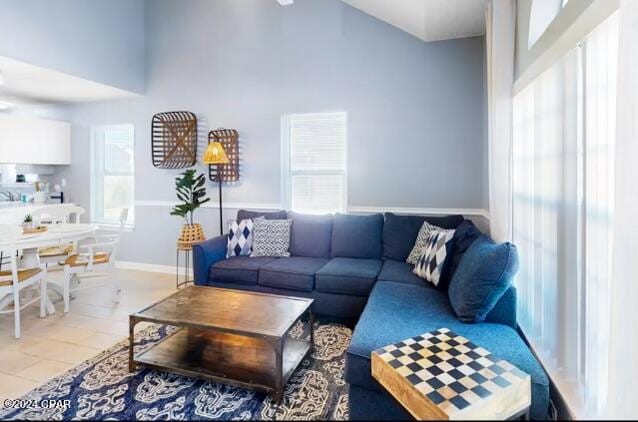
x=311, y=235
x=397, y=311
x=348, y=276
x=447, y=222
x=238, y=269
x=399, y=235
x=400, y=232
x=274, y=215
x=464, y=235
x=482, y=277
x=294, y=273
x=401, y=272
x=357, y=236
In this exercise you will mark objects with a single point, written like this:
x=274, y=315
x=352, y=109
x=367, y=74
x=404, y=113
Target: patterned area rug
x=102, y=387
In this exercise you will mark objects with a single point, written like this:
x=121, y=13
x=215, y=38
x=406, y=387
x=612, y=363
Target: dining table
x=55, y=234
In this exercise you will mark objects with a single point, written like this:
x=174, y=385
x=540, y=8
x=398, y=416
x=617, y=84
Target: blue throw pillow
x=482, y=277
x=464, y=235
x=357, y=236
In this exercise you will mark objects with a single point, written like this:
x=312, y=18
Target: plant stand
x=187, y=267
x=192, y=234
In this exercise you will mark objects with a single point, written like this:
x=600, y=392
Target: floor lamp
x=215, y=155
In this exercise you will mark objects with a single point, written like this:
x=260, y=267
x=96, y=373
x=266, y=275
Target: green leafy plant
x=28, y=218
x=191, y=190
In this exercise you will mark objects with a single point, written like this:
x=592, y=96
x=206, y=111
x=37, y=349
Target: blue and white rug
x=102, y=388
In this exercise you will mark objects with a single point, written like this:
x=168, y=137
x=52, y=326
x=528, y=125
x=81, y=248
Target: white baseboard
x=142, y=266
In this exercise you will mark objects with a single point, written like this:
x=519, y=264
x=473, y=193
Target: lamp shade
x=215, y=154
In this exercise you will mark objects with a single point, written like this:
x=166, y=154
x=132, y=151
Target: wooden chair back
x=9, y=233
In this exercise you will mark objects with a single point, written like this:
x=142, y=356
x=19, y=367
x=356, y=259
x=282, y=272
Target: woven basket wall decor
x=174, y=140
x=192, y=234
x=229, y=138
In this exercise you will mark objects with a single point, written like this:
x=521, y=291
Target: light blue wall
x=99, y=40
x=416, y=130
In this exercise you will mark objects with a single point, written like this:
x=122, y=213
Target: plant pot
x=192, y=234
x=27, y=225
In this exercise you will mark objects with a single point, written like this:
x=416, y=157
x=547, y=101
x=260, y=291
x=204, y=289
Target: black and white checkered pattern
x=451, y=371
x=431, y=264
x=240, y=238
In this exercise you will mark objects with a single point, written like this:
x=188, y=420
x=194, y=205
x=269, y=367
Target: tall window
x=314, y=162
x=112, y=172
x=564, y=136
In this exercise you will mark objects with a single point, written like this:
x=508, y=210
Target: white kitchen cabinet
x=25, y=140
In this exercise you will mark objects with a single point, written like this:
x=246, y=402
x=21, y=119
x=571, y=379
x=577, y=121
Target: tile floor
x=52, y=345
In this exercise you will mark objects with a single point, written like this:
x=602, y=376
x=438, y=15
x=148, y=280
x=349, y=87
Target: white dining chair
x=65, y=213
x=97, y=261
x=69, y=214
x=15, y=280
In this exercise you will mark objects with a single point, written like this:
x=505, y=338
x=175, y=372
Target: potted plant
x=27, y=223
x=191, y=190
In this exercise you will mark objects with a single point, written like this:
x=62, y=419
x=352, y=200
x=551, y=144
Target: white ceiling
x=429, y=20
x=26, y=84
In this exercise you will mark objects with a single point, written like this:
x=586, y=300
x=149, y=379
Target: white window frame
x=98, y=173
x=287, y=173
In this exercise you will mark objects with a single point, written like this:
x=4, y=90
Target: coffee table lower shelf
x=238, y=360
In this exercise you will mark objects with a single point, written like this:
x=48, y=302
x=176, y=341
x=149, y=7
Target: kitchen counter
x=16, y=211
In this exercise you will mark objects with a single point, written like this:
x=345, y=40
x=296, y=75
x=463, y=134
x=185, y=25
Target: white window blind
x=112, y=173
x=563, y=144
x=314, y=162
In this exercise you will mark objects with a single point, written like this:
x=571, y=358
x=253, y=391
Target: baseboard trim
x=142, y=266
x=474, y=212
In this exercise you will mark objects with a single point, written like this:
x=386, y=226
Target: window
x=112, y=172
x=542, y=13
x=314, y=162
x=563, y=149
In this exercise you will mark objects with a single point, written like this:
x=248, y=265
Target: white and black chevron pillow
x=434, y=259
x=271, y=237
x=240, y=238
x=424, y=232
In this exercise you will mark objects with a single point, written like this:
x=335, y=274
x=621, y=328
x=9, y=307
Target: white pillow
x=421, y=239
x=271, y=238
x=434, y=257
x=240, y=238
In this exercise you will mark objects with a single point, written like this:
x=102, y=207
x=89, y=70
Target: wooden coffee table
x=228, y=336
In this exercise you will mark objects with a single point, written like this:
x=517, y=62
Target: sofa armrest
x=206, y=254
x=504, y=312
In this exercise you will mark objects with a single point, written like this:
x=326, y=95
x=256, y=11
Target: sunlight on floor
x=52, y=345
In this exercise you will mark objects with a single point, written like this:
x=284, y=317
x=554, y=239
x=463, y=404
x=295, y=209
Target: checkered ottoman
x=441, y=375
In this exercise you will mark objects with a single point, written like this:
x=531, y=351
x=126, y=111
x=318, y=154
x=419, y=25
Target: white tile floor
x=52, y=345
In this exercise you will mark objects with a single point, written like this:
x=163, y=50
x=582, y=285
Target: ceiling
x=429, y=20
x=26, y=84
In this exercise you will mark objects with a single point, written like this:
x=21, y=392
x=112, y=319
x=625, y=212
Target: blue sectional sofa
x=354, y=266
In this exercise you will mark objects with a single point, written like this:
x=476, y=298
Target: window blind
x=315, y=163
x=563, y=149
